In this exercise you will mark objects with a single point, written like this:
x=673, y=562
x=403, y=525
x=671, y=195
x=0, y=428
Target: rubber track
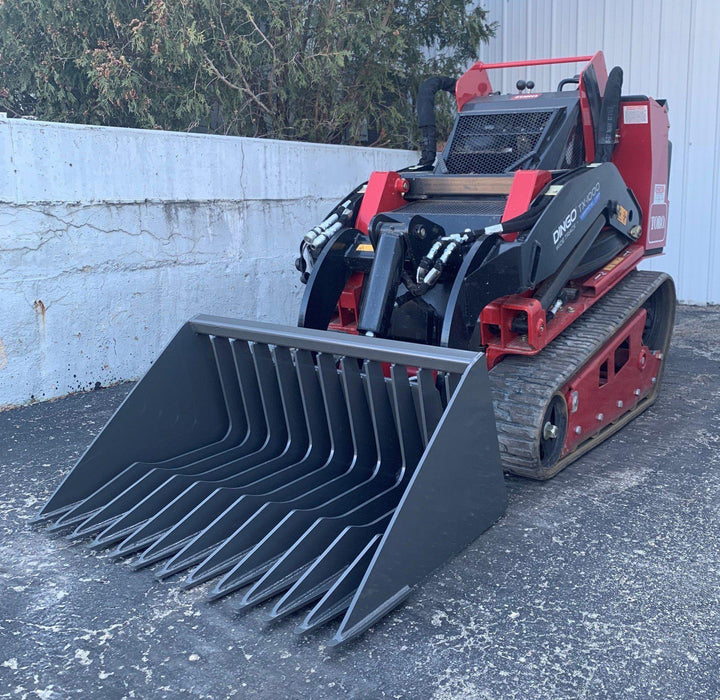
x=523, y=385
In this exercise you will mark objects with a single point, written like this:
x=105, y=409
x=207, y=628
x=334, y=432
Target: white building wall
x=667, y=48
x=111, y=238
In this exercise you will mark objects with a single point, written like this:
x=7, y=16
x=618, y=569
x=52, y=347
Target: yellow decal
x=622, y=214
x=364, y=248
x=612, y=264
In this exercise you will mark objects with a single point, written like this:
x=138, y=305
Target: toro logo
x=657, y=223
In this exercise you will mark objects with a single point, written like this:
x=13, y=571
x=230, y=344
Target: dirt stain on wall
x=40, y=310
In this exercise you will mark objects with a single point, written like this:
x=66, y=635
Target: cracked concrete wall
x=111, y=238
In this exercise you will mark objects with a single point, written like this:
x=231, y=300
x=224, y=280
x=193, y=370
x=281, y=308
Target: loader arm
x=555, y=250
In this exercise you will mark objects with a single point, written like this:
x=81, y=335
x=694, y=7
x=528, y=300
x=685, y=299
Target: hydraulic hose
x=609, y=116
x=426, y=115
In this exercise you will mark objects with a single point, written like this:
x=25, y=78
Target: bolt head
x=578, y=430
x=619, y=404
x=600, y=416
x=550, y=431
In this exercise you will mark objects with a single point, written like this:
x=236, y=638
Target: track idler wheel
x=554, y=430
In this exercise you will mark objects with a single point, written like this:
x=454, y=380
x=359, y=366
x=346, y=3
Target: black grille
x=456, y=207
x=574, y=153
x=494, y=143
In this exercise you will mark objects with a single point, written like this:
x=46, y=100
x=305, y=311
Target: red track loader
x=475, y=314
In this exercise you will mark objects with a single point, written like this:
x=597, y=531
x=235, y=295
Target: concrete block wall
x=111, y=238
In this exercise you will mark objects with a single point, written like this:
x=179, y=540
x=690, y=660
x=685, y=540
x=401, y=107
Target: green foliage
x=336, y=71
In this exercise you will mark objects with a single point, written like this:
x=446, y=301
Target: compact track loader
x=478, y=313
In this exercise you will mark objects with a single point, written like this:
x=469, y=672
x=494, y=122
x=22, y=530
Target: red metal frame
x=347, y=312
x=384, y=192
x=641, y=156
x=526, y=185
x=598, y=63
x=475, y=82
x=496, y=319
x=622, y=374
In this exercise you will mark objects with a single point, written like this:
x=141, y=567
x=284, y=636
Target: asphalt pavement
x=603, y=582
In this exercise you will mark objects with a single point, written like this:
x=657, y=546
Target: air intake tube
x=426, y=115
x=609, y=116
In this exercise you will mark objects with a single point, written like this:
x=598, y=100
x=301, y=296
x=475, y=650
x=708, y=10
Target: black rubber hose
x=609, y=116
x=426, y=115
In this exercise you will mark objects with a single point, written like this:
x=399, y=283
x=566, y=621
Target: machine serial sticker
x=635, y=114
x=364, y=248
x=659, y=194
x=526, y=96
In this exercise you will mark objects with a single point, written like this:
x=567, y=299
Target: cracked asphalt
x=604, y=582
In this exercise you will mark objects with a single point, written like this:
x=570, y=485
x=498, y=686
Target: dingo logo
x=584, y=206
x=565, y=226
x=657, y=223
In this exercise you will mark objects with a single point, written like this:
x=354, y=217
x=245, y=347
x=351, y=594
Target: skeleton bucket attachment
x=286, y=460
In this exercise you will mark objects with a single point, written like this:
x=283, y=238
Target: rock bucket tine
x=307, y=457
x=369, y=499
x=297, y=561
x=329, y=452
x=236, y=431
x=296, y=447
x=160, y=436
x=430, y=403
x=338, y=598
x=456, y=493
x=356, y=454
x=256, y=435
x=136, y=504
x=328, y=567
x=224, y=542
x=309, y=551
